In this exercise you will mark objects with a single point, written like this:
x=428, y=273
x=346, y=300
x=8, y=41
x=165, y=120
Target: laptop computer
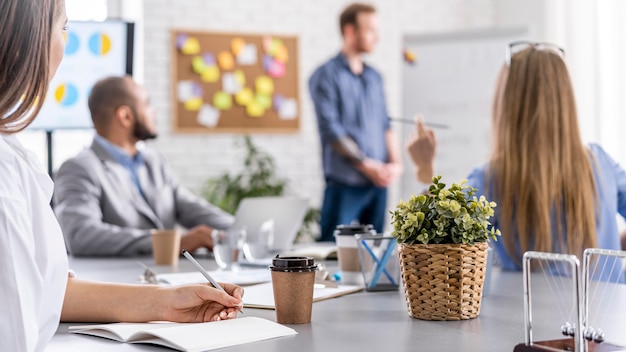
x=285, y=213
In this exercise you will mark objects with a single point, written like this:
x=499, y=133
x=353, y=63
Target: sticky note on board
x=254, y=110
x=276, y=69
x=208, y=116
x=197, y=65
x=225, y=60
x=281, y=54
x=181, y=39
x=191, y=47
x=209, y=59
x=240, y=77
x=267, y=62
x=264, y=85
x=193, y=104
x=278, y=101
x=222, y=100
x=237, y=45
x=211, y=74
x=288, y=109
x=263, y=100
x=267, y=43
x=185, y=91
x=230, y=84
x=244, y=96
x=276, y=43
x=248, y=55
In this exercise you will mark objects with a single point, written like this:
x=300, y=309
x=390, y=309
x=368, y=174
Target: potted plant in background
x=443, y=250
x=258, y=178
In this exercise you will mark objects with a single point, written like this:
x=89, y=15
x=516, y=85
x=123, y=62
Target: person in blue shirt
x=554, y=194
x=360, y=153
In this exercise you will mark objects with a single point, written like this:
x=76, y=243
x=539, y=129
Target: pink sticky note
x=276, y=69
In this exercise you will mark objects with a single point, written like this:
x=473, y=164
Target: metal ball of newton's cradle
x=598, y=336
x=589, y=332
x=568, y=329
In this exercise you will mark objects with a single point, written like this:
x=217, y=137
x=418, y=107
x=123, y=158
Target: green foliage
x=453, y=215
x=257, y=179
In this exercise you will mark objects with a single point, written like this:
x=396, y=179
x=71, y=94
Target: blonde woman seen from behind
x=35, y=289
x=554, y=194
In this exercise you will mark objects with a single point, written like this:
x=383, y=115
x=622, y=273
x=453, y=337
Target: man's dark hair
x=351, y=13
x=107, y=96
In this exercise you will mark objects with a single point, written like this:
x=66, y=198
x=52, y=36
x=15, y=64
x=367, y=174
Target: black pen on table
x=429, y=124
x=205, y=273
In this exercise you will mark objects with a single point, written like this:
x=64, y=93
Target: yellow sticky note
x=244, y=96
x=193, y=104
x=263, y=100
x=254, y=110
x=240, y=77
x=225, y=60
x=222, y=101
x=276, y=43
x=211, y=74
x=264, y=85
x=281, y=54
x=198, y=65
x=237, y=45
x=191, y=47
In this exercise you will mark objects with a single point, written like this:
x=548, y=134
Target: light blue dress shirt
x=611, y=190
x=129, y=162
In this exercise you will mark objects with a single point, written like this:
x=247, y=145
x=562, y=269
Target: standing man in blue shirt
x=360, y=152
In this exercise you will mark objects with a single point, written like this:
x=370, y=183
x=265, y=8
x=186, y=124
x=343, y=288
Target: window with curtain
x=594, y=36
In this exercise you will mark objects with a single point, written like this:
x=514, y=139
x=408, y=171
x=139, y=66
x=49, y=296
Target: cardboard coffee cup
x=347, y=252
x=165, y=247
x=292, y=281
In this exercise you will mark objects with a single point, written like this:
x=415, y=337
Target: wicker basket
x=443, y=281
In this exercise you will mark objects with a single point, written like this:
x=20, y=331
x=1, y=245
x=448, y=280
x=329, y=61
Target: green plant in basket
x=451, y=215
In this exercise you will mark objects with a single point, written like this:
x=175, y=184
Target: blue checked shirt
x=351, y=105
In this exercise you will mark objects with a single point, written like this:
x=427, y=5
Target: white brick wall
x=196, y=157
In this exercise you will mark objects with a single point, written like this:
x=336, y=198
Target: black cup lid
x=353, y=229
x=293, y=264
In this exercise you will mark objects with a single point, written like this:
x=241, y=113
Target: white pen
x=205, y=273
x=429, y=124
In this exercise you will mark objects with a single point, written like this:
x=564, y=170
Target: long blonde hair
x=542, y=173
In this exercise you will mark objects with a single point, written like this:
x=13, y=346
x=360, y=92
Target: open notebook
x=190, y=337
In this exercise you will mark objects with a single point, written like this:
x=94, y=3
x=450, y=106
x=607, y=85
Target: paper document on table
x=237, y=277
x=262, y=295
x=321, y=250
x=190, y=336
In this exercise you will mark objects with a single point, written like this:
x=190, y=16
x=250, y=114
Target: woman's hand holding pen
x=200, y=303
x=421, y=147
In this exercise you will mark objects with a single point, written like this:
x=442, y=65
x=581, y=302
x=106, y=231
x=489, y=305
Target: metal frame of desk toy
x=578, y=342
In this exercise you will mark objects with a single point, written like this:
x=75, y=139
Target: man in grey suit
x=111, y=196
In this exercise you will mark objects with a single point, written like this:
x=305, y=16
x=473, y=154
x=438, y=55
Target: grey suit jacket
x=102, y=213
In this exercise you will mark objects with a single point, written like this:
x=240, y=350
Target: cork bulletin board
x=234, y=83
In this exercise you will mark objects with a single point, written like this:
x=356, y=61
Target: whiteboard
x=93, y=50
x=452, y=82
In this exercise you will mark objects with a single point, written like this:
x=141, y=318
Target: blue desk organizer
x=379, y=262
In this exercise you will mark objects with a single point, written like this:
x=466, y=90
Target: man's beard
x=141, y=131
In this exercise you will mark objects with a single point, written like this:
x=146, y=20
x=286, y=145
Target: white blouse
x=33, y=260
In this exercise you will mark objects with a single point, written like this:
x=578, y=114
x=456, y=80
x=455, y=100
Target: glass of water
x=227, y=248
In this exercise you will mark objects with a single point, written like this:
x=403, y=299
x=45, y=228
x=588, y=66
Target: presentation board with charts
x=234, y=83
x=93, y=50
x=450, y=78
